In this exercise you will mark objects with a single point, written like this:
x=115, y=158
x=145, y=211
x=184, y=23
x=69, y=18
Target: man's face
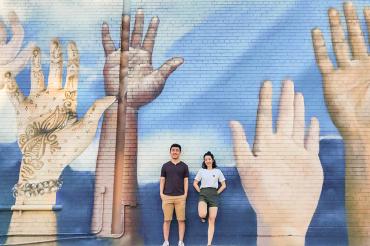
x=175, y=153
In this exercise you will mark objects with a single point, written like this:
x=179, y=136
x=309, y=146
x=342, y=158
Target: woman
x=209, y=176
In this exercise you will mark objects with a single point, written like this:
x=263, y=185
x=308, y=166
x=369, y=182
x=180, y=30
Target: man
x=173, y=191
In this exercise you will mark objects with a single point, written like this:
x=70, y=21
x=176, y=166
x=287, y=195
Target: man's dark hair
x=213, y=158
x=175, y=145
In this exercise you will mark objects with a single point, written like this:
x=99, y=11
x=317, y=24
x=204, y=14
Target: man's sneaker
x=181, y=243
x=166, y=243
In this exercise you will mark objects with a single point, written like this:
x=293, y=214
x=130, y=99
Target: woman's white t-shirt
x=210, y=178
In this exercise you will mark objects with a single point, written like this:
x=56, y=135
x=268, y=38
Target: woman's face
x=208, y=160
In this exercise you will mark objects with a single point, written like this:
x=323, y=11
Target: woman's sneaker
x=181, y=243
x=166, y=243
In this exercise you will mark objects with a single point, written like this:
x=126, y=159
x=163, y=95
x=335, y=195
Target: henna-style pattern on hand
x=49, y=134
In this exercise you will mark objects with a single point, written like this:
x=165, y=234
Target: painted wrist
x=30, y=189
x=280, y=240
x=277, y=228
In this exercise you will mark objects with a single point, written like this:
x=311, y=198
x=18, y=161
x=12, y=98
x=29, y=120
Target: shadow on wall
x=236, y=221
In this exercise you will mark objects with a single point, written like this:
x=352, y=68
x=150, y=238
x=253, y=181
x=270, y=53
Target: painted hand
x=282, y=176
x=13, y=59
x=144, y=83
x=346, y=89
x=49, y=134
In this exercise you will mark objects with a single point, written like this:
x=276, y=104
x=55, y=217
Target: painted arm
x=50, y=136
x=139, y=84
x=347, y=96
x=282, y=175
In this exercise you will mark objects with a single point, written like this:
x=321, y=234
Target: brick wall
x=229, y=48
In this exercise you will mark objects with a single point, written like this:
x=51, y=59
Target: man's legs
x=180, y=204
x=181, y=230
x=168, y=207
x=166, y=229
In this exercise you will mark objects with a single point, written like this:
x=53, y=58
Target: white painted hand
x=49, y=134
x=282, y=176
x=347, y=88
x=144, y=83
x=13, y=58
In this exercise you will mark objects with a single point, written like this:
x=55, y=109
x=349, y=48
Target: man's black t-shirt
x=174, y=174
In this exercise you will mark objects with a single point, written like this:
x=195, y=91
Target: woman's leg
x=211, y=223
x=202, y=210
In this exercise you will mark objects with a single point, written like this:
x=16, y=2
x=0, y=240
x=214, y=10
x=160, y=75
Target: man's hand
x=346, y=88
x=282, y=176
x=49, y=134
x=144, y=83
x=162, y=196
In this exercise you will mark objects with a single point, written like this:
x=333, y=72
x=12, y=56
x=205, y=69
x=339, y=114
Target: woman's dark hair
x=213, y=159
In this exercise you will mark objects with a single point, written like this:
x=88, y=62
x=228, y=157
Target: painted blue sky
x=229, y=49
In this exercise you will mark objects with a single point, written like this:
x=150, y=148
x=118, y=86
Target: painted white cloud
x=153, y=151
x=71, y=20
x=174, y=23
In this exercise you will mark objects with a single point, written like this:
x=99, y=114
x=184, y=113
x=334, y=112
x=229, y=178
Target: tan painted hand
x=346, y=88
x=144, y=83
x=347, y=95
x=282, y=176
x=49, y=134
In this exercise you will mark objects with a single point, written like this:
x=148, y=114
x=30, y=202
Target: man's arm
x=161, y=186
x=186, y=186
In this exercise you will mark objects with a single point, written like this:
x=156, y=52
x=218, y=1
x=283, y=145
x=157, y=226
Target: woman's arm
x=196, y=185
x=222, y=188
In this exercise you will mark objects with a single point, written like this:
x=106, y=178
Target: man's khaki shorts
x=169, y=203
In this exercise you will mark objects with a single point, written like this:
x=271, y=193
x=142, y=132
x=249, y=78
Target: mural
x=299, y=175
x=69, y=177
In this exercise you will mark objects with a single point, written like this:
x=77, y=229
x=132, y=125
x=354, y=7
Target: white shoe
x=181, y=243
x=166, y=243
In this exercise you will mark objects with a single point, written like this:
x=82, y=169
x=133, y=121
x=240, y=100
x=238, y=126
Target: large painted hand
x=346, y=88
x=13, y=57
x=49, y=134
x=144, y=83
x=282, y=176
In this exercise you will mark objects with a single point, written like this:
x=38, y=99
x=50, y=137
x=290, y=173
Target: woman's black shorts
x=209, y=196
